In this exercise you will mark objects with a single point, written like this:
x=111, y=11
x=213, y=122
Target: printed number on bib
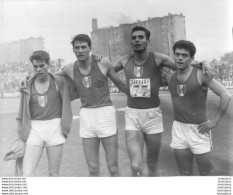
x=140, y=88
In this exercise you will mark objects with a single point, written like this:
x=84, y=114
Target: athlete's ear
x=148, y=42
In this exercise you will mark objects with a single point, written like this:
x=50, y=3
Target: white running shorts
x=98, y=122
x=187, y=136
x=147, y=120
x=46, y=133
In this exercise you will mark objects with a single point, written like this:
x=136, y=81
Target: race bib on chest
x=140, y=88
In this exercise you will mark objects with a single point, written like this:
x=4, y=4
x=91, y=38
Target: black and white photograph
x=96, y=89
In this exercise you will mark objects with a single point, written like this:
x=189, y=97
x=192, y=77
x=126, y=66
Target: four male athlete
x=191, y=129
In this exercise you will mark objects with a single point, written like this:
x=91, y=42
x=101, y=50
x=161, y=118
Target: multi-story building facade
x=19, y=51
x=115, y=41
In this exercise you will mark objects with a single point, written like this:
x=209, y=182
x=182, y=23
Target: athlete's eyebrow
x=139, y=36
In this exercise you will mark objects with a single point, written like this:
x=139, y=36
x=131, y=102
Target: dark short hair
x=137, y=28
x=40, y=55
x=82, y=37
x=183, y=44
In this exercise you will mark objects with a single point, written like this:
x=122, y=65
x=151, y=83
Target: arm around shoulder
x=164, y=60
x=66, y=71
x=121, y=62
x=113, y=76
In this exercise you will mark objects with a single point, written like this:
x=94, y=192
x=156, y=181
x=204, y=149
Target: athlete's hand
x=97, y=57
x=206, y=68
x=207, y=126
x=23, y=83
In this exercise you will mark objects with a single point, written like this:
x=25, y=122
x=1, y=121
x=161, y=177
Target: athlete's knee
x=207, y=172
x=152, y=163
x=94, y=170
x=114, y=170
x=28, y=173
x=54, y=174
x=186, y=172
x=137, y=168
x=152, y=168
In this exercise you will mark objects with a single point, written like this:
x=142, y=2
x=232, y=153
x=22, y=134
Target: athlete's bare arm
x=167, y=78
x=108, y=68
x=220, y=91
x=121, y=62
x=164, y=60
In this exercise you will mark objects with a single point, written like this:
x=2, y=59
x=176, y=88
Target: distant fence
x=115, y=90
x=9, y=94
x=228, y=84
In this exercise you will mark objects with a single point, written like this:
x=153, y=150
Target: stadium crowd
x=12, y=74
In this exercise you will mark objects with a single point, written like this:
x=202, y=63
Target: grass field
x=74, y=165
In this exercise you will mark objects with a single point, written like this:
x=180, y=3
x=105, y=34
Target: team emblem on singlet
x=43, y=100
x=87, y=81
x=140, y=88
x=138, y=70
x=181, y=90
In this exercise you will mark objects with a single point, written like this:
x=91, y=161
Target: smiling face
x=41, y=68
x=182, y=58
x=81, y=50
x=139, y=42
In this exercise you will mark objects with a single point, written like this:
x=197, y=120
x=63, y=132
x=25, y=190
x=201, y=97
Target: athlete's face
x=41, y=68
x=182, y=58
x=81, y=50
x=139, y=42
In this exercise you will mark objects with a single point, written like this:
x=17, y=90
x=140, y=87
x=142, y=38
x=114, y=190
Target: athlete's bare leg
x=134, y=144
x=204, y=164
x=110, y=145
x=184, y=159
x=54, y=154
x=91, y=151
x=31, y=159
x=153, y=143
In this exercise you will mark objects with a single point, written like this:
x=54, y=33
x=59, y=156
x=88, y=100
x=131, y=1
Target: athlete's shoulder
x=104, y=60
x=123, y=60
x=68, y=66
x=127, y=56
x=159, y=55
x=67, y=70
x=203, y=78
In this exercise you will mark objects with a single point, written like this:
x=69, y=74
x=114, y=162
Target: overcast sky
x=208, y=22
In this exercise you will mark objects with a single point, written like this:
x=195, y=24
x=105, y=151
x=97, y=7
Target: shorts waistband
x=143, y=110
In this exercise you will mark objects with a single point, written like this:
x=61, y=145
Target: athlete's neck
x=84, y=64
x=184, y=71
x=140, y=58
x=42, y=80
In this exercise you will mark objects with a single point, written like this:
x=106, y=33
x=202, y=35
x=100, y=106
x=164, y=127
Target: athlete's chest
x=94, y=79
